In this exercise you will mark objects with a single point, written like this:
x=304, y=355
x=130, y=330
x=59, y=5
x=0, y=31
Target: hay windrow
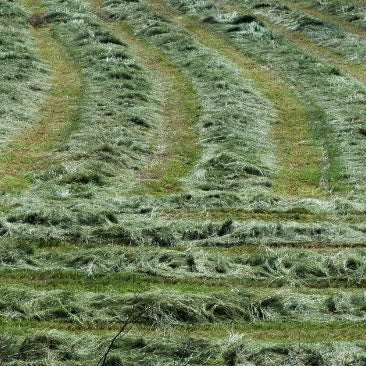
x=167, y=308
x=286, y=266
x=65, y=348
x=336, y=123
x=82, y=197
x=24, y=77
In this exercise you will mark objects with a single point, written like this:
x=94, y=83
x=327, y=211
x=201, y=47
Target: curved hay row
x=321, y=42
x=170, y=307
x=337, y=123
x=58, y=115
x=234, y=117
x=299, y=160
x=175, y=141
x=23, y=75
x=305, y=42
x=123, y=269
x=311, y=9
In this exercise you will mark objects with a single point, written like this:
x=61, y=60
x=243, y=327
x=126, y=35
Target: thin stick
x=129, y=319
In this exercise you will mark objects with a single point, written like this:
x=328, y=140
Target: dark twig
x=122, y=331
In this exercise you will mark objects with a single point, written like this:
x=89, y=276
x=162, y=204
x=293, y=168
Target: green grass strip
x=279, y=332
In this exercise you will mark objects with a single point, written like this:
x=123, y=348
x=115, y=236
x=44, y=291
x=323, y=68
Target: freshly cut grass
x=229, y=135
x=329, y=35
x=111, y=141
x=65, y=347
x=308, y=77
x=137, y=230
x=222, y=259
x=348, y=14
x=122, y=268
x=169, y=307
x=175, y=141
x=23, y=75
x=85, y=196
x=297, y=154
x=58, y=115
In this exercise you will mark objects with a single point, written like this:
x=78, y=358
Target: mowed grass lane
x=289, y=333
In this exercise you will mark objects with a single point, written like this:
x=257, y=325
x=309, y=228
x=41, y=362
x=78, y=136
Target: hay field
x=187, y=175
